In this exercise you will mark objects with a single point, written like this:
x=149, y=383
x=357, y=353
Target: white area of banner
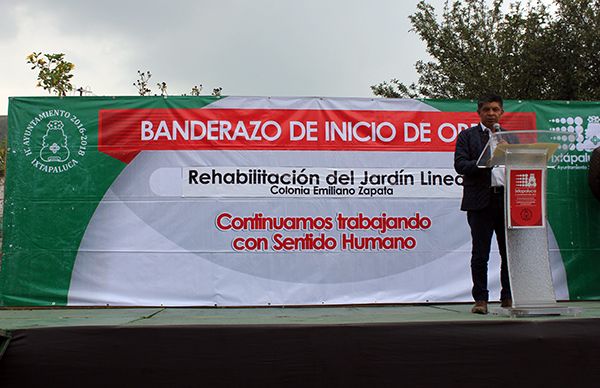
x=148, y=245
x=167, y=250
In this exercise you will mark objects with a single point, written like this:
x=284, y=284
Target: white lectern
x=525, y=156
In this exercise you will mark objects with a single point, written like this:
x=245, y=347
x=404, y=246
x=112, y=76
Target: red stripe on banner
x=123, y=133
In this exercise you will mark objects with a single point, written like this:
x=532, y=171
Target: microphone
x=496, y=127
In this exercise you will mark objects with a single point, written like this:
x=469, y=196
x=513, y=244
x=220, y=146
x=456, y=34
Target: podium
x=525, y=157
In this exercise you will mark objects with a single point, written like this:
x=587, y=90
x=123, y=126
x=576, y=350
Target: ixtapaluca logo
x=55, y=141
x=575, y=148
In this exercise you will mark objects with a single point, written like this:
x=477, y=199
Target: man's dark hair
x=486, y=99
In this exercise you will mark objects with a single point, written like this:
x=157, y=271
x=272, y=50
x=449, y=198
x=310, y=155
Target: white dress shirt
x=497, y=172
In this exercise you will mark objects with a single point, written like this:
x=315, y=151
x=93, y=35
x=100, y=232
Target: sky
x=329, y=48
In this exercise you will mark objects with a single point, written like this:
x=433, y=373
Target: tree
x=162, y=86
x=54, y=72
x=196, y=90
x=574, y=47
x=527, y=52
x=3, y=147
x=144, y=77
x=141, y=83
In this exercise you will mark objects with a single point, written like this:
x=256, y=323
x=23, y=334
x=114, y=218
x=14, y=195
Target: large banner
x=235, y=201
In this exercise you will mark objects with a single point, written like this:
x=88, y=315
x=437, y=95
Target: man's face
x=490, y=113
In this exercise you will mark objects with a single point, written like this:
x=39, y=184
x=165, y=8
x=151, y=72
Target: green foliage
x=574, y=46
x=3, y=145
x=54, y=72
x=527, y=52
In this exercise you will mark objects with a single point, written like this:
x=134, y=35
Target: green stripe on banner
x=572, y=209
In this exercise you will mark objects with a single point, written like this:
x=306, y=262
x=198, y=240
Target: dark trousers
x=483, y=224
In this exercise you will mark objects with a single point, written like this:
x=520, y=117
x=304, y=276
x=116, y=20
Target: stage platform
x=372, y=346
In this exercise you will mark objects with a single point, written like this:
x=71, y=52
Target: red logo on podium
x=525, y=201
